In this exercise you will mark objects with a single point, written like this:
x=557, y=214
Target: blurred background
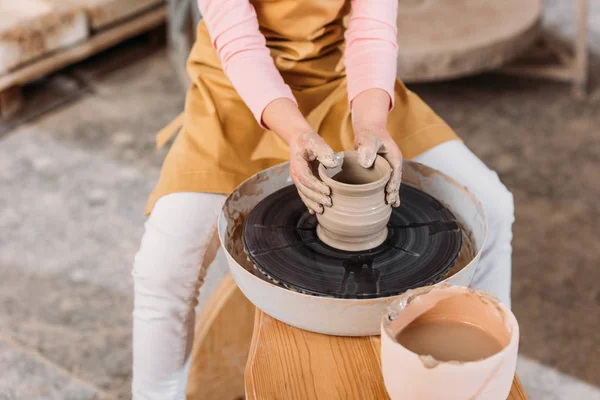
x=81, y=100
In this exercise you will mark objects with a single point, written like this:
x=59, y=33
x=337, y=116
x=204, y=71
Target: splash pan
x=340, y=315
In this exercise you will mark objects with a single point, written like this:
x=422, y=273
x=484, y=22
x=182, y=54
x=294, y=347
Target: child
x=277, y=80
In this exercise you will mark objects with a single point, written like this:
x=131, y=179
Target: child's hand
x=305, y=148
x=283, y=117
x=369, y=143
x=371, y=137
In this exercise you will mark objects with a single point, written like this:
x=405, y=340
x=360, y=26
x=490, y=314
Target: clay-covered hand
x=369, y=118
x=283, y=117
x=304, y=149
x=371, y=142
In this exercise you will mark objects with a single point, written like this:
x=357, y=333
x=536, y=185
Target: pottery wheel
x=423, y=243
x=442, y=39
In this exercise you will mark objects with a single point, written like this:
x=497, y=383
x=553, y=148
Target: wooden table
x=239, y=349
x=290, y=363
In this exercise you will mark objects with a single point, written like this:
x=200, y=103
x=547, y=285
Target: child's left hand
x=371, y=137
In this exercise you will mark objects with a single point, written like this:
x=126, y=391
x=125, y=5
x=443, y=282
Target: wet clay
x=467, y=253
x=463, y=327
x=448, y=340
x=357, y=219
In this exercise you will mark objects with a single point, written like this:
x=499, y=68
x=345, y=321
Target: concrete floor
x=74, y=183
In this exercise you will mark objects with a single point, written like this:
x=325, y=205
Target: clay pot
x=359, y=214
x=408, y=375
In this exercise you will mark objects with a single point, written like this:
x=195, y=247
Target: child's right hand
x=283, y=117
x=305, y=148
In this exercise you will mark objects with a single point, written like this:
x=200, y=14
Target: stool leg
x=222, y=341
x=581, y=49
x=11, y=100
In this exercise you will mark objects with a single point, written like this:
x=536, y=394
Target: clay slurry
x=448, y=340
x=423, y=244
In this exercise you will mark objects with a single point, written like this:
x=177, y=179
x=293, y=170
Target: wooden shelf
x=571, y=61
x=10, y=83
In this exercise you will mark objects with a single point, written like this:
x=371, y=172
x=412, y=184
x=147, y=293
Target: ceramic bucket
x=408, y=375
x=358, y=217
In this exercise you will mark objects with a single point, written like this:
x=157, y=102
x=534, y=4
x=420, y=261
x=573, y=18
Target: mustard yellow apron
x=220, y=144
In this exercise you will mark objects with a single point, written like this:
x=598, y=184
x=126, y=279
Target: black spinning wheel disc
x=423, y=244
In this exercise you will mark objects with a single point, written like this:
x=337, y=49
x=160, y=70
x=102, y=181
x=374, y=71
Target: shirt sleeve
x=371, y=47
x=243, y=52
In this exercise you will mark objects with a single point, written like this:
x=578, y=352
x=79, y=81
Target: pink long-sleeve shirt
x=370, y=55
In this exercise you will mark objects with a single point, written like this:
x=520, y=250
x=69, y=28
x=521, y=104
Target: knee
x=499, y=208
x=166, y=273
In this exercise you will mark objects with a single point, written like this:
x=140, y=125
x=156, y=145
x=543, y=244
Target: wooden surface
x=102, y=13
x=223, y=335
x=30, y=29
x=95, y=44
x=442, y=39
x=10, y=101
x=516, y=391
x=289, y=363
x=552, y=59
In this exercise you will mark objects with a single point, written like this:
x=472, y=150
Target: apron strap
x=169, y=131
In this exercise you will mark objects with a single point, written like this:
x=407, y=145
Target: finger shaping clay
x=358, y=216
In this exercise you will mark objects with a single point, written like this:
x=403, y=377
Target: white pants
x=171, y=265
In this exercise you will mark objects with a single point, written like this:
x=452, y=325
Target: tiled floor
x=74, y=183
